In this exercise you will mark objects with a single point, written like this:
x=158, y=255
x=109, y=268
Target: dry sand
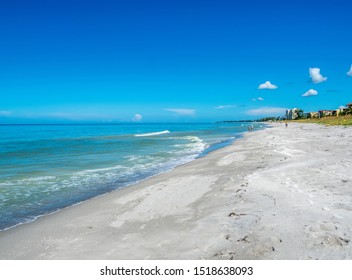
x=278, y=193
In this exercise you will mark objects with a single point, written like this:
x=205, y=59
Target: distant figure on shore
x=286, y=124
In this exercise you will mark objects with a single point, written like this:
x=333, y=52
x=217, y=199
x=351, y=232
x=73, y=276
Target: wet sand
x=278, y=193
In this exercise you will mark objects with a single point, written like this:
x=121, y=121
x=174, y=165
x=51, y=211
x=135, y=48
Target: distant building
x=295, y=113
x=327, y=113
x=341, y=111
x=288, y=114
x=292, y=114
x=313, y=115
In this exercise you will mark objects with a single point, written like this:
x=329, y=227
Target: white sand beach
x=278, y=193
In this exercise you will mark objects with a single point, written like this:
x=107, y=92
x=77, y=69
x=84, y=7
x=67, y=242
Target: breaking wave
x=152, y=133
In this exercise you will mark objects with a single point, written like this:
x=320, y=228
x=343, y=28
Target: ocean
x=44, y=168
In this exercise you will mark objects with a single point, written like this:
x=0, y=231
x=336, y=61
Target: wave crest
x=152, y=133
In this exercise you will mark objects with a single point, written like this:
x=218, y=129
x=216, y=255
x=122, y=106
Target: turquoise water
x=44, y=168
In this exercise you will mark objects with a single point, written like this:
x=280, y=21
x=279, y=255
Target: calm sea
x=44, y=168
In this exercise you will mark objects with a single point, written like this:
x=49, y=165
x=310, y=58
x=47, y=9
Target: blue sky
x=149, y=61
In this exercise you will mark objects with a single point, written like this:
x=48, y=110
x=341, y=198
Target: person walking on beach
x=286, y=124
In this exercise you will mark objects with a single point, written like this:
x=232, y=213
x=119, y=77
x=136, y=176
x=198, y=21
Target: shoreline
x=205, y=152
x=261, y=197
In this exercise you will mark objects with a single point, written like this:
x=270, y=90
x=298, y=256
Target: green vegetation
x=268, y=119
x=333, y=120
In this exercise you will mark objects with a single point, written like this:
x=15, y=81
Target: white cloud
x=137, y=117
x=5, y=113
x=315, y=75
x=181, y=112
x=349, y=73
x=225, y=106
x=268, y=111
x=342, y=107
x=310, y=92
x=267, y=85
x=258, y=99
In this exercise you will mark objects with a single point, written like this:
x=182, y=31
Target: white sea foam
x=35, y=179
x=27, y=181
x=83, y=172
x=152, y=133
x=197, y=143
x=190, y=150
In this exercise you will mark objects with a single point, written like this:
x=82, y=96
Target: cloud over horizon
x=137, y=117
x=181, y=111
x=5, y=113
x=349, y=73
x=310, y=92
x=266, y=111
x=267, y=85
x=315, y=75
x=225, y=106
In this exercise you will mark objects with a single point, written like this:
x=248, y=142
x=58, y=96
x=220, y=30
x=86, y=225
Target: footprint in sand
x=257, y=246
x=326, y=234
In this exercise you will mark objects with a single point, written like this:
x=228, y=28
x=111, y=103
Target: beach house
x=313, y=115
x=327, y=113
